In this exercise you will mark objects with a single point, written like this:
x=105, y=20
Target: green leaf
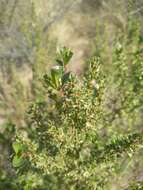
x=65, y=55
x=57, y=70
x=18, y=161
x=17, y=147
x=56, y=74
x=59, y=62
x=48, y=81
x=65, y=78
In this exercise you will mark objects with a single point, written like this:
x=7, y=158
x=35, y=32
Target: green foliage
x=7, y=176
x=82, y=130
x=64, y=56
x=7, y=181
x=82, y=133
x=136, y=186
x=18, y=159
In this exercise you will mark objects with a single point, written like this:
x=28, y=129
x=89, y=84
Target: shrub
x=82, y=132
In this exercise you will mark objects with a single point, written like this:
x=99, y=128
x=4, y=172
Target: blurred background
x=32, y=31
x=30, y=34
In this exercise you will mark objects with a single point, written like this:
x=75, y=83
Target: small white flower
x=94, y=84
x=56, y=67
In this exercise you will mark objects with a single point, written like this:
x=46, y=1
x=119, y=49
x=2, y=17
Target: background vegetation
x=30, y=34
